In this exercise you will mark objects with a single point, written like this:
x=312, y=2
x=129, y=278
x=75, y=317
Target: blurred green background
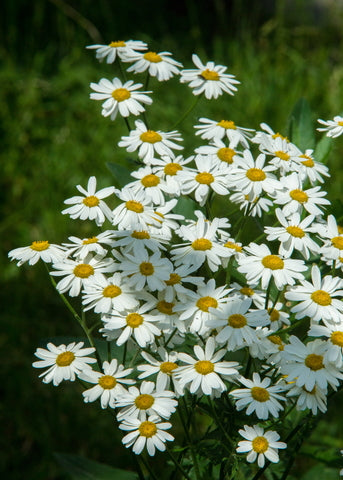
x=53, y=137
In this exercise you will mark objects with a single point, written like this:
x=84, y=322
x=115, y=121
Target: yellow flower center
x=152, y=57
x=150, y=181
x=298, y=195
x=273, y=262
x=296, y=232
x=204, y=178
x=340, y=123
x=321, y=297
x=337, y=242
x=146, y=268
x=107, y=382
x=236, y=320
x=134, y=320
x=147, y=429
x=111, y=291
x=227, y=124
x=40, y=245
x=172, y=168
x=134, y=206
x=168, y=367
x=282, y=155
x=337, y=338
x=173, y=279
x=260, y=394
x=308, y=162
x=233, y=246
x=83, y=270
x=204, y=367
x=278, y=135
x=274, y=315
x=255, y=174
x=91, y=201
x=314, y=362
x=260, y=444
x=118, y=43
x=165, y=307
x=202, y=244
x=204, y=303
x=276, y=340
x=88, y=241
x=210, y=75
x=140, y=235
x=144, y=401
x=121, y=94
x=150, y=136
x=65, y=359
x=226, y=154
x=247, y=291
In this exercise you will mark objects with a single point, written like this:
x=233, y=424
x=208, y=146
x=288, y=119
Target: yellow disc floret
x=83, y=270
x=237, y=320
x=91, y=201
x=295, y=231
x=337, y=338
x=210, y=75
x=134, y=206
x=146, y=268
x=321, y=297
x=337, y=242
x=144, y=401
x=65, y=359
x=172, y=168
x=118, y=43
x=260, y=444
x=165, y=307
x=150, y=181
x=260, y=394
x=168, y=367
x=202, y=244
x=140, y=235
x=121, y=94
x=308, y=162
x=152, y=57
x=298, y=195
x=227, y=124
x=40, y=245
x=314, y=361
x=204, y=178
x=204, y=303
x=247, y=291
x=255, y=175
x=233, y=246
x=226, y=154
x=204, y=367
x=134, y=320
x=111, y=291
x=273, y=262
x=150, y=136
x=282, y=155
x=147, y=429
x=173, y=279
x=107, y=382
x=88, y=241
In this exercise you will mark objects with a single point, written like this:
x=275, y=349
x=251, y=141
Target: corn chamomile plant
x=214, y=277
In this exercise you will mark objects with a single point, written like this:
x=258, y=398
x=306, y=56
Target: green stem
x=187, y=112
x=189, y=439
x=220, y=424
x=177, y=464
x=127, y=124
x=147, y=466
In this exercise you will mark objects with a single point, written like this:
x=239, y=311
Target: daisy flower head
x=159, y=65
x=333, y=235
x=316, y=300
x=146, y=400
x=107, y=385
x=259, y=397
x=261, y=264
x=251, y=206
x=120, y=97
x=334, y=334
x=244, y=292
x=64, y=362
x=310, y=169
x=260, y=445
x=137, y=238
x=305, y=364
x=208, y=176
x=150, y=433
x=220, y=151
x=209, y=79
x=78, y=273
x=169, y=168
x=214, y=130
x=277, y=317
x=167, y=221
x=267, y=132
x=91, y=205
x=38, y=250
x=149, y=142
x=153, y=186
x=204, y=374
x=333, y=128
x=164, y=368
x=314, y=399
x=285, y=154
x=293, y=234
x=81, y=247
x=116, y=49
x=175, y=284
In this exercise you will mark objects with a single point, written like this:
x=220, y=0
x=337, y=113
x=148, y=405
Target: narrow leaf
x=301, y=129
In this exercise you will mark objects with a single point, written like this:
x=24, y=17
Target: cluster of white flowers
x=183, y=296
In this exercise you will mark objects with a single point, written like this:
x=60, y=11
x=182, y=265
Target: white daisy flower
x=293, y=235
x=252, y=207
x=81, y=247
x=257, y=296
x=174, y=286
x=285, y=154
x=305, y=365
x=316, y=300
x=212, y=130
x=148, y=433
x=146, y=400
x=236, y=324
x=259, y=397
x=294, y=198
x=38, y=250
x=136, y=324
x=262, y=265
x=153, y=186
x=209, y=79
x=108, y=385
x=148, y=142
x=167, y=222
x=78, y=273
x=116, y=49
x=312, y=170
x=334, y=334
x=204, y=374
x=208, y=176
x=314, y=399
x=164, y=368
x=333, y=128
x=65, y=362
x=159, y=65
x=333, y=245
x=120, y=97
x=220, y=151
x=91, y=205
x=277, y=317
x=169, y=168
x=260, y=445
x=134, y=240
x=107, y=294
x=267, y=132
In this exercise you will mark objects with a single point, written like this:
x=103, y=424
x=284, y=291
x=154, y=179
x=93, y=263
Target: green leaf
x=319, y=472
x=301, y=131
x=80, y=468
x=120, y=173
x=323, y=149
x=185, y=206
